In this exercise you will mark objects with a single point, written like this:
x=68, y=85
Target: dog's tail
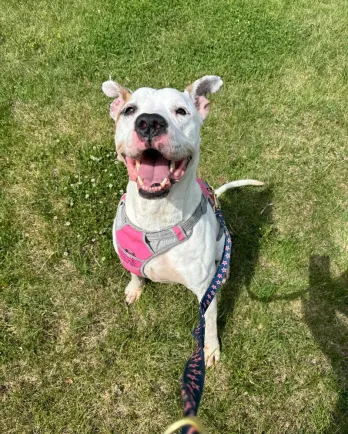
x=234, y=184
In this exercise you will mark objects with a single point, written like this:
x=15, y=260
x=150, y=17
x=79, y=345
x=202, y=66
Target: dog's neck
x=158, y=214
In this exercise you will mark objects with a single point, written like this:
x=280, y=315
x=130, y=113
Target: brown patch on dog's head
x=189, y=88
x=126, y=94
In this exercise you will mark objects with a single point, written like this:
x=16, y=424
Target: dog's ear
x=120, y=93
x=199, y=89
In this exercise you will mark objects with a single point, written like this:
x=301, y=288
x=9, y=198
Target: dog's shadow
x=325, y=307
x=326, y=313
x=248, y=215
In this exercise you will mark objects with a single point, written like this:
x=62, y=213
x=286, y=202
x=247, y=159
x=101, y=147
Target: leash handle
x=191, y=421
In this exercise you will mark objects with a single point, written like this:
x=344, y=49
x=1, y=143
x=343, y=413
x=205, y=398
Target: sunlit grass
x=75, y=358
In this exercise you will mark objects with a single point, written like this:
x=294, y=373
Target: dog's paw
x=211, y=355
x=132, y=294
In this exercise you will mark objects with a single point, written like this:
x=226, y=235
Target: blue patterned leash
x=192, y=381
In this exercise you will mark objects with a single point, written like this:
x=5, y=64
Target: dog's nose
x=150, y=125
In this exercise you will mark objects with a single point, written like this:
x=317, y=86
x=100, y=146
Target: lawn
x=75, y=358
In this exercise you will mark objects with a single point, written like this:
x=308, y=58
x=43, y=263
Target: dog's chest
x=138, y=249
x=191, y=263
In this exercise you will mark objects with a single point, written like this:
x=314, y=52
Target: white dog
x=165, y=230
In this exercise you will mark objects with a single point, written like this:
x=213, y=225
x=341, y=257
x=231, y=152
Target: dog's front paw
x=211, y=354
x=132, y=294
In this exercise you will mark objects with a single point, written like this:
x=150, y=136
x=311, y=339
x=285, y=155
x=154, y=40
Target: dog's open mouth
x=154, y=174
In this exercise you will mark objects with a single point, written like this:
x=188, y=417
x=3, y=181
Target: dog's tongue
x=154, y=169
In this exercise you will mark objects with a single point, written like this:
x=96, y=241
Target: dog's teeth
x=172, y=166
x=140, y=181
x=164, y=182
x=138, y=165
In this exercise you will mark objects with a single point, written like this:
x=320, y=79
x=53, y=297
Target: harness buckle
x=214, y=201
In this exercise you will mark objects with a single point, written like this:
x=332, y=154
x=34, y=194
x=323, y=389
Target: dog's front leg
x=211, y=341
x=134, y=288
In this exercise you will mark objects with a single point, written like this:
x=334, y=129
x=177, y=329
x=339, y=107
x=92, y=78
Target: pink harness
x=136, y=247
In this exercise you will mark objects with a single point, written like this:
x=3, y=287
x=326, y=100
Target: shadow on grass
x=248, y=214
x=326, y=313
x=325, y=307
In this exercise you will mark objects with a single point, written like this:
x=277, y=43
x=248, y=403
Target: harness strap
x=179, y=233
x=201, y=209
x=161, y=240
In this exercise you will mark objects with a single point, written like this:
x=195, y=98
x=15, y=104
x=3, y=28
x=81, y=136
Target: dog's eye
x=181, y=111
x=130, y=110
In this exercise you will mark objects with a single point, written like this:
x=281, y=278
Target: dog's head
x=157, y=131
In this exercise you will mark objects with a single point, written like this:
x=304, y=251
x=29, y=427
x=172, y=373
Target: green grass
x=75, y=358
